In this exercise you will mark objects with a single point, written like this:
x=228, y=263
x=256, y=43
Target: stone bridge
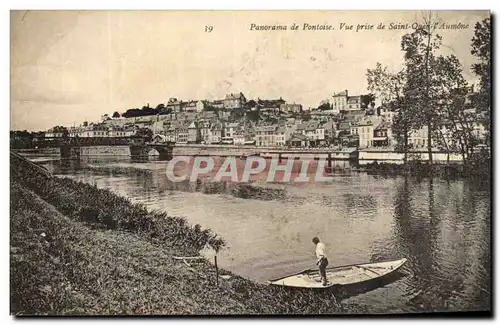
x=165, y=150
x=139, y=148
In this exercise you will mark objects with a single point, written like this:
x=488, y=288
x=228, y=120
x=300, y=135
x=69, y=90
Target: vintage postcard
x=250, y=162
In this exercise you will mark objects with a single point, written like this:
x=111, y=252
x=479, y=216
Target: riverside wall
x=366, y=157
x=266, y=152
x=363, y=157
x=39, y=151
x=105, y=151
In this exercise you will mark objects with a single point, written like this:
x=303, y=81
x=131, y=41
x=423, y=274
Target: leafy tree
x=367, y=100
x=305, y=116
x=253, y=116
x=136, y=112
x=422, y=75
x=456, y=129
x=61, y=129
x=481, y=49
x=324, y=107
x=388, y=86
x=165, y=111
x=116, y=115
x=145, y=133
x=385, y=85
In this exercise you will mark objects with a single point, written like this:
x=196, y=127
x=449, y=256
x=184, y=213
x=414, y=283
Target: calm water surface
x=441, y=227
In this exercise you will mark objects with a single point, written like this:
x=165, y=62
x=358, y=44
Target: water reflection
x=434, y=237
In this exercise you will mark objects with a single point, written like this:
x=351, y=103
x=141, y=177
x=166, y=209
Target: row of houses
x=230, y=102
x=212, y=131
x=353, y=121
x=376, y=131
x=342, y=102
x=93, y=131
x=207, y=131
x=364, y=132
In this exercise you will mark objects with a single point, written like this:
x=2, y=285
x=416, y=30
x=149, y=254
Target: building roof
x=383, y=125
x=312, y=126
x=370, y=120
x=354, y=100
x=281, y=129
x=341, y=94
x=173, y=101
x=355, y=112
x=216, y=127
x=298, y=137
x=365, y=122
x=290, y=105
x=232, y=125
x=185, y=123
x=301, y=126
x=208, y=114
x=266, y=128
x=190, y=103
x=235, y=96
x=270, y=103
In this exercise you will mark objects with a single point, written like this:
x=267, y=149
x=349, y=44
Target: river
x=442, y=227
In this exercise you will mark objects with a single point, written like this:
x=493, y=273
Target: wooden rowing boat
x=340, y=275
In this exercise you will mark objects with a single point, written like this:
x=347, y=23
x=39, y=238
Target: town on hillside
x=342, y=120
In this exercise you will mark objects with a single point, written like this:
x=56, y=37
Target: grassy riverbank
x=476, y=169
x=80, y=250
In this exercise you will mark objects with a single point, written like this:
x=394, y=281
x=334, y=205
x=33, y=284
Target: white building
x=217, y=132
x=339, y=101
x=366, y=131
x=51, y=133
x=353, y=103
x=265, y=136
x=386, y=113
x=234, y=100
x=194, y=106
x=239, y=138
x=418, y=138
x=281, y=136
x=101, y=131
x=230, y=130
x=290, y=108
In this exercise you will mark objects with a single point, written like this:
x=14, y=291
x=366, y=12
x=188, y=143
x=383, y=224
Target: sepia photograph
x=250, y=162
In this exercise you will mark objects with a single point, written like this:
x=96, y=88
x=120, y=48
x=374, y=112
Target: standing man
x=322, y=259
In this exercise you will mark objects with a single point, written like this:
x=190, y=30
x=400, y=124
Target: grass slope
x=79, y=250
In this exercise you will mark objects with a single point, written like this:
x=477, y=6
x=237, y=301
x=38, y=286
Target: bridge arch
x=153, y=152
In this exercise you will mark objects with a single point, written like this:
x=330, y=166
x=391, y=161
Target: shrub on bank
x=477, y=167
x=103, y=208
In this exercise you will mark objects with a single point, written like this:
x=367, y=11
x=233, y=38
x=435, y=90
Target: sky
x=73, y=66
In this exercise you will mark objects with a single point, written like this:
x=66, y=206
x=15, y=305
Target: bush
x=103, y=208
